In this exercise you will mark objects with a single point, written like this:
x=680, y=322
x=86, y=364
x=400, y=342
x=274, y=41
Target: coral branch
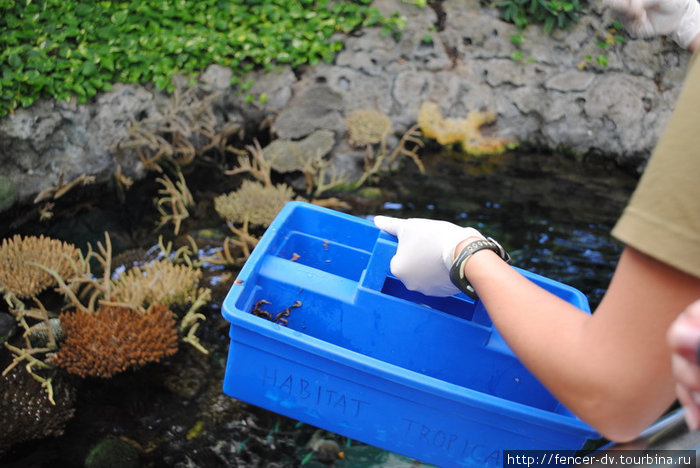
x=176, y=197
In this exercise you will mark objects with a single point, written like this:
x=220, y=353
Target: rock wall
x=556, y=97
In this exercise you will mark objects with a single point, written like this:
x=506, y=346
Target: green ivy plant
x=64, y=48
x=550, y=14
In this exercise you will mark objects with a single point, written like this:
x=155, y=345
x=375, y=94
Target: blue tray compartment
x=364, y=357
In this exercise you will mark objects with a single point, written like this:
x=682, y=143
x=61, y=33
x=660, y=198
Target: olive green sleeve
x=662, y=218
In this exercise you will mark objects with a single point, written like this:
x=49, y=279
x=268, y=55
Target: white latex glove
x=425, y=252
x=678, y=18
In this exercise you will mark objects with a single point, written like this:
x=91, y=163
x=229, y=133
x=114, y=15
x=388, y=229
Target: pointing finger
x=388, y=224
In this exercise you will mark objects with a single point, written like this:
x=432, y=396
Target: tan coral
x=23, y=279
x=158, y=282
x=114, y=339
x=465, y=131
x=367, y=127
x=253, y=202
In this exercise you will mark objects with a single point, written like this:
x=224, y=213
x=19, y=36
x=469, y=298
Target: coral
x=21, y=278
x=253, y=202
x=374, y=161
x=466, y=131
x=173, y=202
x=62, y=188
x=367, y=127
x=114, y=339
x=252, y=161
x=27, y=412
x=158, y=282
x=184, y=128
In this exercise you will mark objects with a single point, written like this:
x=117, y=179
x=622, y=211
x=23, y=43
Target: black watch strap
x=457, y=270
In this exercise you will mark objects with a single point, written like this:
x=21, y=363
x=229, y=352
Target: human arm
x=612, y=368
x=684, y=341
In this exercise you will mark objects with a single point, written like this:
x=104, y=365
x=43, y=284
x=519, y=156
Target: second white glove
x=679, y=19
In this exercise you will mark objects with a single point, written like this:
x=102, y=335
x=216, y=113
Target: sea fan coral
x=158, y=282
x=253, y=202
x=27, y=412
x=114, y=339
x=367, y=127
x=23, y=279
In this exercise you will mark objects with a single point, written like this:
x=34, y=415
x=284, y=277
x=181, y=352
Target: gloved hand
x=678, y=18
x=425, y=252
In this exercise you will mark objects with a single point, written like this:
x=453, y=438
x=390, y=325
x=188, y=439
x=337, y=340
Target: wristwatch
x=457, y=270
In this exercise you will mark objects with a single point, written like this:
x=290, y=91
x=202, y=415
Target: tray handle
x=378, y=267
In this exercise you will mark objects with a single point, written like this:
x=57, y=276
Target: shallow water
x=554, y=214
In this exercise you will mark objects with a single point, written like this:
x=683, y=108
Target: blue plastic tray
x=364, y=357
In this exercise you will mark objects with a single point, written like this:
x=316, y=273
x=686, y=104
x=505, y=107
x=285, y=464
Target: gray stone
x=319, y=107
x=569, y=81
x=216, y=78
x=500, y=72
x=289, y=156
x=8, y=193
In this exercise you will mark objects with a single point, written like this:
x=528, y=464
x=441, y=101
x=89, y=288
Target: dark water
x=553, y=213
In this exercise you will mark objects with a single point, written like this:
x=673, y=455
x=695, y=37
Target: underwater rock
x=326, y=450
x=8, y=193
x=7, y=326
x=27, y=412
x=112, y=453
x=289, y=156
x=319, y=107
x=39, y=334
x=52, y=140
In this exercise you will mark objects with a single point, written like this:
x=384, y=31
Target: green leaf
x=27, y=101
x=119, y=17
x=83, y=10
x=107, y=62
x=549, y=25
x=79, y=90
x=15, y=61
x=89, y=68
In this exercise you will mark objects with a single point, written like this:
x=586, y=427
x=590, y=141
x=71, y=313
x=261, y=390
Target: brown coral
x=367, y=127
x=23, y=279
x=158, y=282
x=114, y=339
x=253, y=201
